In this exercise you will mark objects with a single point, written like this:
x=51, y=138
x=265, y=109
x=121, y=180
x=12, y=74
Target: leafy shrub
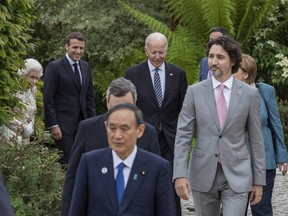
x=33, y=178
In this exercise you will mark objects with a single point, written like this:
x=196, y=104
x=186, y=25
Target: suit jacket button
x=220, y=136
x=216, y=155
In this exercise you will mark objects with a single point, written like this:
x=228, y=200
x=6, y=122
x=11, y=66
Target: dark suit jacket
x=203, y=69
x=65, y=102
x=148, y=192
x=175, y=90
x=91, y=135
x=5, y=206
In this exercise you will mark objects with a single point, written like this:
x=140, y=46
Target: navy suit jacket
x=175, y=90
x=5, y=206
x=91, y=135
x=149, y=190
x=65, y=102
x=203, y=69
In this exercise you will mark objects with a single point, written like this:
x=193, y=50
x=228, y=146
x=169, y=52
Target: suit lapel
x=84, y=73
x=70, y=72
x=210, y=100
x=236, y=94
x=137, y=175
x=107, y=178
x=169, y=78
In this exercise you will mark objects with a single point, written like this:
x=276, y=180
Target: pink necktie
x=221, y=105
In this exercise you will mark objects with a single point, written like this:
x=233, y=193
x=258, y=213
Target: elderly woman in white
x=21, y=127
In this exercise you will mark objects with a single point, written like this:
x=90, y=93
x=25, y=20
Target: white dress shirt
x=128, y=164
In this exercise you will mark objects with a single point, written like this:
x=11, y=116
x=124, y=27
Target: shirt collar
x=152, y=67
x=228, y=83
x=128, y=161
x=71, y=62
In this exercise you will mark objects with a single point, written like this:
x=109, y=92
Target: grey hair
x=31, y=64
x=156, y=36
x=120, y=87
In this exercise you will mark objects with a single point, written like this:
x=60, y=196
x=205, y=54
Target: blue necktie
x=120, y=182
x=157, y=87
x=76, y=72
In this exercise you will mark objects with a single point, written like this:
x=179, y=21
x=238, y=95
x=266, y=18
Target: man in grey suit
x=223, y=168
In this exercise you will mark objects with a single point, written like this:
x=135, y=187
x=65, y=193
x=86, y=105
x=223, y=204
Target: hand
x=282, y=168
x=256, y=194
x=28, y=130
x=183, y=188
x=56, y=133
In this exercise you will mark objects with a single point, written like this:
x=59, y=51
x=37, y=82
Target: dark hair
x=219, y=29
x=231, y=47
x=120, y=87
x=75, y=35
x=127, y=106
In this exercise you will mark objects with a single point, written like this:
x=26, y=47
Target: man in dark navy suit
x=123, y=179
x=215, y=32
x=68, y=94
x=160, y=103
x=91, y=135
x=5, y=206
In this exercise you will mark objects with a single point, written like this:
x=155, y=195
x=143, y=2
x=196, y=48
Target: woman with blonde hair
x=275, y=149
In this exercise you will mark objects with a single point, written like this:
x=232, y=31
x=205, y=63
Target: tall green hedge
x=15, y=19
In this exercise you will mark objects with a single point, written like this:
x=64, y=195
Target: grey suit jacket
x=243, y=164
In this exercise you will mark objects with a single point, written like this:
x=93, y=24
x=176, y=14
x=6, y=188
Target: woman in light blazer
x=275, y=149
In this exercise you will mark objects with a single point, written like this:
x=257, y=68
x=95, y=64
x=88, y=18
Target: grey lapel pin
x=135, y=177
x=104, y=170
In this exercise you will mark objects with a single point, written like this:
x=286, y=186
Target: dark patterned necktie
x=157, y=87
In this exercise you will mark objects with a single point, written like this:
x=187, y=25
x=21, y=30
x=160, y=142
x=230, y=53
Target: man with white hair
x=161, y=89
x=21, y=127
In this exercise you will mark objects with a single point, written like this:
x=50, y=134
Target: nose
x=118, y=134
x=213, y=60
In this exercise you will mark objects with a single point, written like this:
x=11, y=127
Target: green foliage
x=14, y=26
x=33, y=178
x=179, y=40
x=270, y=49
x=194, y=19
x=115, y=39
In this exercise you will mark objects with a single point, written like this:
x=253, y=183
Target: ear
x=140, y=131
x=66, y=47
x=146, y=52
x=245, y=75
